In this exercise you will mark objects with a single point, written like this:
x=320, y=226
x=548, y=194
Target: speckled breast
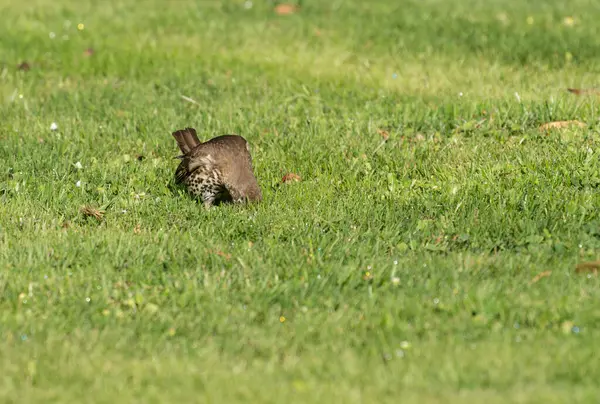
x=206, y=185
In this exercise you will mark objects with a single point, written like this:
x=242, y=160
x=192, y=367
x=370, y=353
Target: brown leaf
x=24, y=66
x=590, y=266
x=561, y=124
x=291, y=177
x=91, y=211
x=583, y=91
x=137, y=229
x=539, y=276
x=286, y=9
x=220, y=254
x=88, y=52
x=419, y=137
x=384, y=134
x=224, y=255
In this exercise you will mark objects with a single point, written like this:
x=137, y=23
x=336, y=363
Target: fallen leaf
x=91, y=211
x=286, y=9
x=24, y=66
x=561, y=124
x=224, y=255
x=384, y=134
x=88, y=52
x=582, y=91
x=137, y=229
x=291, y=177
x=539, y=276
x=590, y=266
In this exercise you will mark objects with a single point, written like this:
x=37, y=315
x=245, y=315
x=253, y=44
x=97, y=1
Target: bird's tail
x=186, y=139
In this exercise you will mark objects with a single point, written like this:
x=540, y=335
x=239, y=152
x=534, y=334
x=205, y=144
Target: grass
x=404, y=269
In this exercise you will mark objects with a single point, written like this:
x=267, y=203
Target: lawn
x=427, y=255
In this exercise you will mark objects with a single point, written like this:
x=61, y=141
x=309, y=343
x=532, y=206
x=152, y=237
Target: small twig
x=91, y=211
x=188, y=99
x=591, y=266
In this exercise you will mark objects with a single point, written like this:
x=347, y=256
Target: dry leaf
x=91, y=211
x=384, y=134
x=561, y=124
x=137, y=229
x=88, y=52
x=539, y=276
x=582, y=91
x=591, y=266
x=24, y=66
x=220, y=254
x=286, y=9
x=224, y=255
x=291, y=177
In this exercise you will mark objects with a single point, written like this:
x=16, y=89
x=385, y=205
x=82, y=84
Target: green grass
x=393, y=272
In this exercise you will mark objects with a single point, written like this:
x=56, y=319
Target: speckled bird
x=218, y=170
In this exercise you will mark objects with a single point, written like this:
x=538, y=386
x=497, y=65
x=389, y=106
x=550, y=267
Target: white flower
x=78, y=165
x=52, y=35
x=78, y=184
x=53, y=126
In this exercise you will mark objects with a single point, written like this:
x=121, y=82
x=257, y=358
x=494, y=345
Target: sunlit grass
x=427, y=253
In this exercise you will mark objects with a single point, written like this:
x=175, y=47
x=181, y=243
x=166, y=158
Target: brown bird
x=218, y=170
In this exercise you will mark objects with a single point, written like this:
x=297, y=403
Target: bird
x=218, y=170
